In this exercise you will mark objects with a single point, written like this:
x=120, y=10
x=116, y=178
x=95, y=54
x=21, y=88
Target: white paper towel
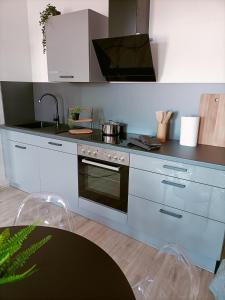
x=189, y=131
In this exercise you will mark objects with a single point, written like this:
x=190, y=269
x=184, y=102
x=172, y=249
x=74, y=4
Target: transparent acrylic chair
x=172, y=277
x=45, y=209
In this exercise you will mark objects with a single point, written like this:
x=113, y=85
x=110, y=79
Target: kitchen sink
x=48, y=127
x=37, y=124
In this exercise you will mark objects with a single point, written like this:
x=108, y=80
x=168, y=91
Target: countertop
x=202, y=155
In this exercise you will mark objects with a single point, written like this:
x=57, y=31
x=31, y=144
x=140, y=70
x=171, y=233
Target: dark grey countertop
x=202, y=155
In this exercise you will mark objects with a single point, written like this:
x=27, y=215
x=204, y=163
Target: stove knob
x=83, y=150
x=89, y=152
x=115, y=157
x=94, y=153
x=121, y=158
x=109, y=156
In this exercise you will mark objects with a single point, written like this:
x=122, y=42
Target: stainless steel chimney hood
x=126, y=54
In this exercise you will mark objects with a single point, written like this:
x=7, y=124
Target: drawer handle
x=55, y=144
x=175, y=168
x=181, y=186
x=20, y=147
x=66, y=76
x=170, y=213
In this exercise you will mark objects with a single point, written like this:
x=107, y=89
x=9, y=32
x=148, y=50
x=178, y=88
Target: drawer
x=194, y=233
x=207, y=201
x=43, y=142
x=180, y=170
x=58, y=145
x=22, y=137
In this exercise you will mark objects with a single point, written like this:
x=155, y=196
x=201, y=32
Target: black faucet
x=57, y=106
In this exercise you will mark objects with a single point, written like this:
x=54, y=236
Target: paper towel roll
x=189, y=131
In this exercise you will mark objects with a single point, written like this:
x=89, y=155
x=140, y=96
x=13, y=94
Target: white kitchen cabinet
x=58, y=174
x=70, y=53
x=23, y=168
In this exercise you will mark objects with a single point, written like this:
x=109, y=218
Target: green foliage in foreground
x=11, y=259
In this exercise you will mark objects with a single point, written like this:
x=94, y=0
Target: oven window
x=101, y=181
x=104, y=186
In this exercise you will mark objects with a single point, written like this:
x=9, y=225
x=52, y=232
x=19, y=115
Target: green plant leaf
x=4, y=236
x=22, y=258
x=13, y=244
x=13, y=278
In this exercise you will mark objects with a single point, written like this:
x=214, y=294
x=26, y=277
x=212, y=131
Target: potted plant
x=75, y=112
x=10, y=262
x=50, y=10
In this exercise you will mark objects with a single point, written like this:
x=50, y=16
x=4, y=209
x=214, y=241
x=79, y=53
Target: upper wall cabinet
x=70, y=53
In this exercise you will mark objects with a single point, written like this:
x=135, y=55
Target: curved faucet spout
x=57, y=106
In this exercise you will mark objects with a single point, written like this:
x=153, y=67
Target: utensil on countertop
x=212, y=120
x=162, y=122
x=113, y=128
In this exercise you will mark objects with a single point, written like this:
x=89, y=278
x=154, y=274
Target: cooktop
x=129, y=140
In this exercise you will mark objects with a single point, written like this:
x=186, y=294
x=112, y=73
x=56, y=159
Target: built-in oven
x=103, y=176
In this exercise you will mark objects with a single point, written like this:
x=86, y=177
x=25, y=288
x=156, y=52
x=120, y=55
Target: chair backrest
x=44, y=209
x=172, y=276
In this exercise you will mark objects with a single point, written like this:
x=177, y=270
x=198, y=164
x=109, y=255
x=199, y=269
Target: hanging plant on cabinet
x=50, y=10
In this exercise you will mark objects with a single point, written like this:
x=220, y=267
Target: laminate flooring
x=133, y=257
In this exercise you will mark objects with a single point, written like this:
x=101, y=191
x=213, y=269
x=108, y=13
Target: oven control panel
x=117, y=157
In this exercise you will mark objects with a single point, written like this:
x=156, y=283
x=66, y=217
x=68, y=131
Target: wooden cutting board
x=212, y=122
x=80, y=131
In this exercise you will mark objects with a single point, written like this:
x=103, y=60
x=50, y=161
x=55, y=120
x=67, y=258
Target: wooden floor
x=133, y=257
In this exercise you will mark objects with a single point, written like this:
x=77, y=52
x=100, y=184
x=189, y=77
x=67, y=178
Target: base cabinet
x=23, y=166
x=58, y=174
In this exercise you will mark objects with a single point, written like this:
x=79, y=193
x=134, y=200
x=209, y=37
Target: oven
x=103, y=176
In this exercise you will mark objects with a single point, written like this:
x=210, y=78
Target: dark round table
x=70, y=267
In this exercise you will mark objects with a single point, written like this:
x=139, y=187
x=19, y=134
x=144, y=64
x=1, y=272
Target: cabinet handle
x=54, y=144
x=182, y=186
x=20, y=147
x=175, y=168
x=170, y=213
x=66, y=76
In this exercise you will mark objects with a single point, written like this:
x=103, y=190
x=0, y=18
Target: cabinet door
x=58, y=173
x=23, y=166
x=68, y=47
x=194, y=233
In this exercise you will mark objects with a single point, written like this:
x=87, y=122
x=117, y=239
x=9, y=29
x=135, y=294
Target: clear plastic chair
x=172, y=276
x=44, y=209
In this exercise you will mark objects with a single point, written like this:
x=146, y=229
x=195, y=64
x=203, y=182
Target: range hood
x=126, y=54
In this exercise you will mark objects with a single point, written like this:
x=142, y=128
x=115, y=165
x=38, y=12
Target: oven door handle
x=93, y=163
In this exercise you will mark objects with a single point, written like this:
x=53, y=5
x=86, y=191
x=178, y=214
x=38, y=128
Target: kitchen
x=183, y=74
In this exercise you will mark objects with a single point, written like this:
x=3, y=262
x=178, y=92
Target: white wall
x=15, y=63
x=38, y=59
x=190, y=36
x=3, y=181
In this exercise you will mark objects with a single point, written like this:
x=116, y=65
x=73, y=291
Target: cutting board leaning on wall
x=212, y=122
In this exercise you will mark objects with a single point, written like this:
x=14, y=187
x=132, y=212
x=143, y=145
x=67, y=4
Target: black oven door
x=103, y=182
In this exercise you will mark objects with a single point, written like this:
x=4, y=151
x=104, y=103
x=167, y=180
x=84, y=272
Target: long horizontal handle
x=170, y=213
x=55, y=144
x=66, y=76
x=179, y=185
x=94, y=163
x=20, y=147
x=174, y=168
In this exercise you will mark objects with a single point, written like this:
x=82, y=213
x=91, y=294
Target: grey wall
x=17, y=98
x=133, y=103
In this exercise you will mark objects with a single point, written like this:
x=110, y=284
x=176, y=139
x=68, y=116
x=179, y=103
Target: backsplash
x=132, y=103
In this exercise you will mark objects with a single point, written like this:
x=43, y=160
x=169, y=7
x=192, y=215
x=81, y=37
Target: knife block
x=161, y=132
